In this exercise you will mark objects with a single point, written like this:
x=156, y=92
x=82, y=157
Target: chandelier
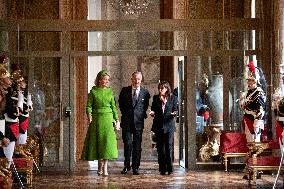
x=131, y=7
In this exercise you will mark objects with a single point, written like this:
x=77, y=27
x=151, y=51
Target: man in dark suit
x=133, y=104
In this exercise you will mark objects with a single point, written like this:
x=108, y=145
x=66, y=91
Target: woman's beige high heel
x=100, y=166
x=105, y=168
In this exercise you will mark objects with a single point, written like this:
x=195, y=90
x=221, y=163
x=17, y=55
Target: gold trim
x=28, y=171
x=4, y=171
x=4, y=73
x=229, y=155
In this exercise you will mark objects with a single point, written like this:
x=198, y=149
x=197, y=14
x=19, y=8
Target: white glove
x=242, y=100
x=281, y=143
x=277, y=94
x=258, y=124
x=20, y=103
x=29, y=100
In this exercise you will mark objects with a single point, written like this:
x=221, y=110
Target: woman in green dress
x=100, y=142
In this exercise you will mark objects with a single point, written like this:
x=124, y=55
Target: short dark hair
x=137, y=73
x=166, y=85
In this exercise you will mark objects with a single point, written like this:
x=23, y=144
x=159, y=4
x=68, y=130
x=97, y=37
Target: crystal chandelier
x=131, y=7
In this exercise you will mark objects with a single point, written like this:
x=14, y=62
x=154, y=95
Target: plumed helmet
x=17, y=76
x=4, y=73
x=251, y=66
x=3, y=59
x=251, y=78
x=17, y=73
x=3, y=64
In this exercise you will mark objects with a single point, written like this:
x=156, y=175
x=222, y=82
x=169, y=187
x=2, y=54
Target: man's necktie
x=134, y=97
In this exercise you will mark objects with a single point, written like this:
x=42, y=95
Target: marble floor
x=86, y=176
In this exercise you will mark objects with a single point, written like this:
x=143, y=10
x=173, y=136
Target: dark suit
x=133, y=114
x=164, y=128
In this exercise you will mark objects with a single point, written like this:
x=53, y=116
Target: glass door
x=48, y=81
x=181, y=117
x=46, y=50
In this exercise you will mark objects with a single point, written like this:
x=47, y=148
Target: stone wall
x=121, y=67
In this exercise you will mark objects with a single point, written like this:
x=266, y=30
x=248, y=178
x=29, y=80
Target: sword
x=280, y=165
x=37, y=168
x=16, y=173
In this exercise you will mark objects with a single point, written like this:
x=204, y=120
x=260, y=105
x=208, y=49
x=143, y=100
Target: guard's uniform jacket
x=1, y=136
x=24, y=114
x=253, y=106
x=278, y=108
x=11, y=114
x=24, y=118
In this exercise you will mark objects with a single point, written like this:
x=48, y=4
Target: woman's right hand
x=152, y=113
x=5, y=141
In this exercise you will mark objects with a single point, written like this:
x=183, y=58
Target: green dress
x=100, y=141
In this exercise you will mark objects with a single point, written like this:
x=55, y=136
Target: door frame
x=190, y=26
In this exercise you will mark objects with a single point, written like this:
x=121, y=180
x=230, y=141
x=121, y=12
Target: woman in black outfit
x=164, y=109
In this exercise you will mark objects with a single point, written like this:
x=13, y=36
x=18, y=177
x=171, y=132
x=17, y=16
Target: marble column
x=279, y=44
x=278, y=59
x=72, y=10
x=167, y=43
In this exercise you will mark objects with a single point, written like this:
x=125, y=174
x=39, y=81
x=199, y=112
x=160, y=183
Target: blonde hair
x=100, y=75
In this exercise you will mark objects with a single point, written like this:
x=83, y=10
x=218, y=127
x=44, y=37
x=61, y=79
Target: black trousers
x=164, y=149
x=132, y=147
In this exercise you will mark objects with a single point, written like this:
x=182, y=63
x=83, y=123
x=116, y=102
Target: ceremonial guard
x=278, y=108
x=13, y=106
x=5, y=82
x=253, y=103
x=27, y=106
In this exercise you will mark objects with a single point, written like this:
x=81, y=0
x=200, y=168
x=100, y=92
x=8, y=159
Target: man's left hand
x=5, y=141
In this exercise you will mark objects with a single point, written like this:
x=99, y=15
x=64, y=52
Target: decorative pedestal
x=259, y=163
x=211, y=148
x=256, y=148
x=262, y=163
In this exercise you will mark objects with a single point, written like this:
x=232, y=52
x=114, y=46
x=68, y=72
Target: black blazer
x=133, y=115
x=164, y=121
